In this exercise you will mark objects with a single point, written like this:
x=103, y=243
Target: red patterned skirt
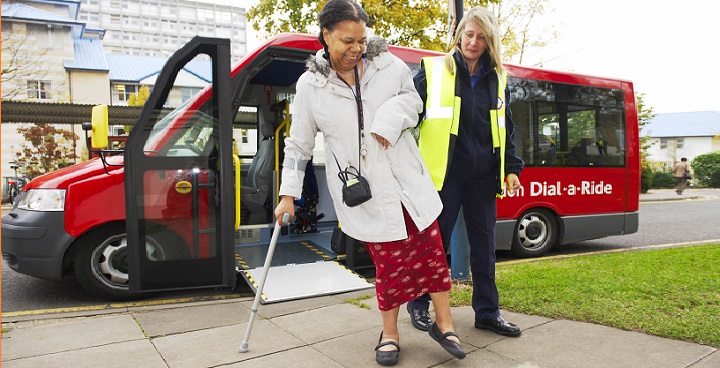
x=408, y=268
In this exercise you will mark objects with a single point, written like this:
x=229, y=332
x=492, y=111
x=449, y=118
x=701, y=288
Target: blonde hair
x=488, y=23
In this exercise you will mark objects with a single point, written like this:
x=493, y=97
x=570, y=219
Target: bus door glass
x=179, y=193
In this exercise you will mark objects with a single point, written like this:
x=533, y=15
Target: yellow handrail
x=284, y=124
x=236, y=161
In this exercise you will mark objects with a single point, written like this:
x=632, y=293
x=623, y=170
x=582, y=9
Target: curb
x=678, y=198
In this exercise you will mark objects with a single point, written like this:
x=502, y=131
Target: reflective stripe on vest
x=499, y=133
x=442, y=117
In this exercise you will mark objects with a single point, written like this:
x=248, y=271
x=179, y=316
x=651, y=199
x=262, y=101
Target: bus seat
x=254, y=193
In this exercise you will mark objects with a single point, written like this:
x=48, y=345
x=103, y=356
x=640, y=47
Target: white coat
x=397, y=176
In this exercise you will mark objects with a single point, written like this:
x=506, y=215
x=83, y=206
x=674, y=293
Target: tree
x=47, y=145
x=137, y=99
x=519, y=31
x=20, y=62
x=419, y=23
x=644, y=114
x=405, y=23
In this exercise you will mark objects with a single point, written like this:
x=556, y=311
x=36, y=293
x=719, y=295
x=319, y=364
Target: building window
x=117, y=130
x=39, y=90
x=680, y=143
x=244, y=135
x=122, y=92
x=188, y=92
x=663, y=143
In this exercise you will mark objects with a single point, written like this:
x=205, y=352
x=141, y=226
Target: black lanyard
x=361, y=120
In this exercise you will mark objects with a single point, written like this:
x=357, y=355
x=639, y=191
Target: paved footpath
x=320, y=332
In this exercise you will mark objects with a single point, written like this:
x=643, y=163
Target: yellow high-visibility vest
x=442, y=119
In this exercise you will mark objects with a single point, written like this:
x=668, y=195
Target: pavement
x=325, y=331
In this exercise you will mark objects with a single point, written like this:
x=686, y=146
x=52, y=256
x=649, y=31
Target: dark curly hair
x=336, y=11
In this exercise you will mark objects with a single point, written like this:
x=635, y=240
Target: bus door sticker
x=183, y=187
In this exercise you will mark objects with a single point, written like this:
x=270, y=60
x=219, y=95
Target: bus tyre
x=536, y=232
x=13, y=195
x=101, y=259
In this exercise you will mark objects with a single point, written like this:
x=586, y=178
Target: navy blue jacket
x=471, y=154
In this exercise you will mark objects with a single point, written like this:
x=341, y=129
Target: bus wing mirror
x=99, y=127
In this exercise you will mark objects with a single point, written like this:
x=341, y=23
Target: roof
x=63, y=113
x=72, y=5
x=683, y=124
x=28, y=13
x=89, y=55
x=130, y=68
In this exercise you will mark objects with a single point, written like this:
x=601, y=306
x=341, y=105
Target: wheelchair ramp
x=305, y=280
x=299, y=269
x=301, y=251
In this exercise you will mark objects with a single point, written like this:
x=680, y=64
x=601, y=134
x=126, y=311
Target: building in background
x=38, y=38
x=159, y=27
x=51, y=56
x=681, y=134
x=41, y=45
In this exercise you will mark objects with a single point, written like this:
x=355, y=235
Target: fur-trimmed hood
x=397, y=175
x=318, y=64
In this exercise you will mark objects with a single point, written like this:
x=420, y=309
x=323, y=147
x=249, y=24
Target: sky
x=668, y=49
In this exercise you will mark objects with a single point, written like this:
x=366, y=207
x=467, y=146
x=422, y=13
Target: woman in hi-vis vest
x=466, y=140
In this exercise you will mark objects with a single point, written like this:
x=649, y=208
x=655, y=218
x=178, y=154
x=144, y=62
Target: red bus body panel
x=96, y=196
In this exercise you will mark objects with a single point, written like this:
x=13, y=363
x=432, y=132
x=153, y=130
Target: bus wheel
x=536, y=232
x=101, y=261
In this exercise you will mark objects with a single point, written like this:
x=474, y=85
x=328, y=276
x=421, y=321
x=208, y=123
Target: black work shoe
x=420, y=318
x=449, y=345
x=499, y=326
x=387, y=358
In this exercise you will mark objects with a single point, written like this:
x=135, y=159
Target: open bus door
x=179, y=193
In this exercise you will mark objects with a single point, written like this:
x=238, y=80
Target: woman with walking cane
x=363, y=100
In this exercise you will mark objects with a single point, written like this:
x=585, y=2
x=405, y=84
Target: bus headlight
x=43, y=200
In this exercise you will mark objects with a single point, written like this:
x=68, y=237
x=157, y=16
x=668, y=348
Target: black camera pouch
x=356, y=189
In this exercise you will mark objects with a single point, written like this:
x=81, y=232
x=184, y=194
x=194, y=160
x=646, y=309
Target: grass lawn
x=672, y=293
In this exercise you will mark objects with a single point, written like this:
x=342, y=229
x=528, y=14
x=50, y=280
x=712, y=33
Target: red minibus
x=180, y=209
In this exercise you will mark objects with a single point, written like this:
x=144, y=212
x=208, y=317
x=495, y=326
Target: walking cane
x=261, y=285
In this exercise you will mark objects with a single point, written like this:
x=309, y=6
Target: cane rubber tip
x=244, y=348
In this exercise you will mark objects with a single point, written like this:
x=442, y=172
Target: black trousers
x=477, y=197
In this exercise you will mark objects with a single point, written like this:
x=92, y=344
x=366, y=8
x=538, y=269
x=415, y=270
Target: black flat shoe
x=419, y=318
x=499, y=326
x=450, y=346
x=387, y=358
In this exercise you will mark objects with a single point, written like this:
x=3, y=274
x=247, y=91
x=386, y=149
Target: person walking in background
x=681, y=172
x=466, y=139
x=353, y=86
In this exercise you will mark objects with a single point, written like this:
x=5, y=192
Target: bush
x=646, y=178
x=662, y=179
x=706, y=168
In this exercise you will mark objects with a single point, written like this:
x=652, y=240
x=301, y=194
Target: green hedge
x=662, y=179
x=646, y=179
x=706, y=169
